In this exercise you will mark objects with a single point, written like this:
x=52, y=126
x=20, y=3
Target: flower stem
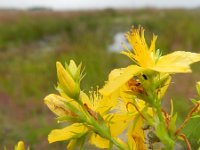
x=159, y=112
x=186, y=140
x=116, y=143
x=166, y=139
x=187, y=119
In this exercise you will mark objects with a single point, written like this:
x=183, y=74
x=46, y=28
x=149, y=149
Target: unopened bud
x=67, y=79
x=56, y=105
x=20, y=146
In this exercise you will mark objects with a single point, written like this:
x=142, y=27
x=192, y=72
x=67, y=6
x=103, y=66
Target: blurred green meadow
x=32, y=41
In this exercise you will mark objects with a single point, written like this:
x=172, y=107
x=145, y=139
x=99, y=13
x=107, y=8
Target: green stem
x=159, y=112
x=107, y=135
x=117, y=144
x=166, y=139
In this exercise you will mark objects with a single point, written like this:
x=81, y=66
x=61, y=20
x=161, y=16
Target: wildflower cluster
x=126, y=113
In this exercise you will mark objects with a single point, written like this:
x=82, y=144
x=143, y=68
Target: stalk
x=167, y=141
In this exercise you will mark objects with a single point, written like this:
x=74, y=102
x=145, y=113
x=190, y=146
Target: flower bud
x=56, y=105
x=20, y=146
x=69, y=78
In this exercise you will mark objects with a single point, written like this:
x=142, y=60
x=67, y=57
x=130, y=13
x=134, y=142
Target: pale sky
x=92, y=4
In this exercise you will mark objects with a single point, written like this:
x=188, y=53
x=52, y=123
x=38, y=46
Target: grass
x=31, y=43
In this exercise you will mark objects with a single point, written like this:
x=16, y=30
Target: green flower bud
x=69, y=78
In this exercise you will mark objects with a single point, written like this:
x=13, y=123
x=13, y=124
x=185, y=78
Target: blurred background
x=35, y=34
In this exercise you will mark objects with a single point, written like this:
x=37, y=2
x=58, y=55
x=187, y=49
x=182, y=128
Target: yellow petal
x=153, y=43
x=136, y=136
x=142, y=55
x=105, y=104
x=75, y=130
x=115, y=73
x=98, y=141
x=119, y=81
x=119, y=123
x=175, y=62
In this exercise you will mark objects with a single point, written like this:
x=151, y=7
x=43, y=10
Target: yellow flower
x=149, y=57
x=96, y=106
x=132, y=107
x=116, y=122
x=124, y=92
x=142, y=54
x=20, y=146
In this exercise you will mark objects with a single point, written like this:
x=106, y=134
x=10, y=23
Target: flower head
x=95, y=109
x=148, y=57
x=142, y=55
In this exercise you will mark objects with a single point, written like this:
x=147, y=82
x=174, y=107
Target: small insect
x=91, y=112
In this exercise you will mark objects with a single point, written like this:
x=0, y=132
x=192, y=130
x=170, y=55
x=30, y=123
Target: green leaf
x=191, y=130
x=68, y=119
x=172, y=124
x=195, y=116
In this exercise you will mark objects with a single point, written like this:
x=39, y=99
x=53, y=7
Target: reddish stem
x=186, y=141
x=167, y=120
x=136, y=109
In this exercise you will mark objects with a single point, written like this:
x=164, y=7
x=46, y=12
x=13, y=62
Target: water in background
x=119, y=41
